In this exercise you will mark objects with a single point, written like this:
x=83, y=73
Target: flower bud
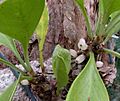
x=99, y=63
x=73, y=53
x=80, y=58
x=82, y=44
x=106, y=25
x=84, y=47
x=25, y=82
x=21, y=67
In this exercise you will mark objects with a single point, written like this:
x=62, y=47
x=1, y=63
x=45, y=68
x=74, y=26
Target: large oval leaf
x=9, y=92
x=88, y=86
x=19, y=18
x=61, y=62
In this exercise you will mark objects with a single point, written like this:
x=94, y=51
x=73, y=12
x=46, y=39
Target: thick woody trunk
x=67, y=25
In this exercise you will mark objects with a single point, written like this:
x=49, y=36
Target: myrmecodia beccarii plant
x=18, y=21
x=88, y=85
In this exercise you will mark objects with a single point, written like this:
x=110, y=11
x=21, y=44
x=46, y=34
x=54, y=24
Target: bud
x=82, y=44
x=84, y=47
x=25, y=82
x=21, y=67
x=80, y=58
x=73, y=53
x=106, y=25
x=99, y=63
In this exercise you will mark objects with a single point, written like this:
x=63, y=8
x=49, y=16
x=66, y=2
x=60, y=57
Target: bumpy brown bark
x=66, y=24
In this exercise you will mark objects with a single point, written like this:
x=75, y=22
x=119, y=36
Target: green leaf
x=8, y=94
x=112, y=31
x=88, y=86
x=115, y=18
x=11, y=66
x=81, y=4
x=114, y=15
x=109, y=6
x=41, y=31
x=61, y=61
x=19, y=18
x=106, y=8
x=42, y=27
x=99, y=24
x=8, y=42
x=113, y=26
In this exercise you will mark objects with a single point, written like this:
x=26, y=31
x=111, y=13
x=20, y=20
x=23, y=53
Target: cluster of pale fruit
x=82, y=45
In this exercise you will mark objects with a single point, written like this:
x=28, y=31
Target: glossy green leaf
x=11, y=66
x=88, y=86
x=42, y=27
x=8, y=42
x=8, y=94
x=61, y=62
x=41, y=31
x=19, y=18
x=112, y=31
x=99, y=24
x=115, y=18
x=81, y=4
x=113, y=26
x=65, y=54
x=106, y=8
x=109, y=6
x=114, y=15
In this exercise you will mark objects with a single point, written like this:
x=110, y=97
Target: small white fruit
x=80, y=58
x=21, y=67
x=106, y=25
x=82, y=44
x=84, y=47
x=99, y=63
x=25, y=82
x=73, y=53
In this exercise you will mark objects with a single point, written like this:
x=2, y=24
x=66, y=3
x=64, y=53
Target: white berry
x=82, y=44
x=25, y=82
x=73, y=53
x=84, y=47
x=99, y=63
x=21, y=67
x=106, y=25
x=80, y=58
